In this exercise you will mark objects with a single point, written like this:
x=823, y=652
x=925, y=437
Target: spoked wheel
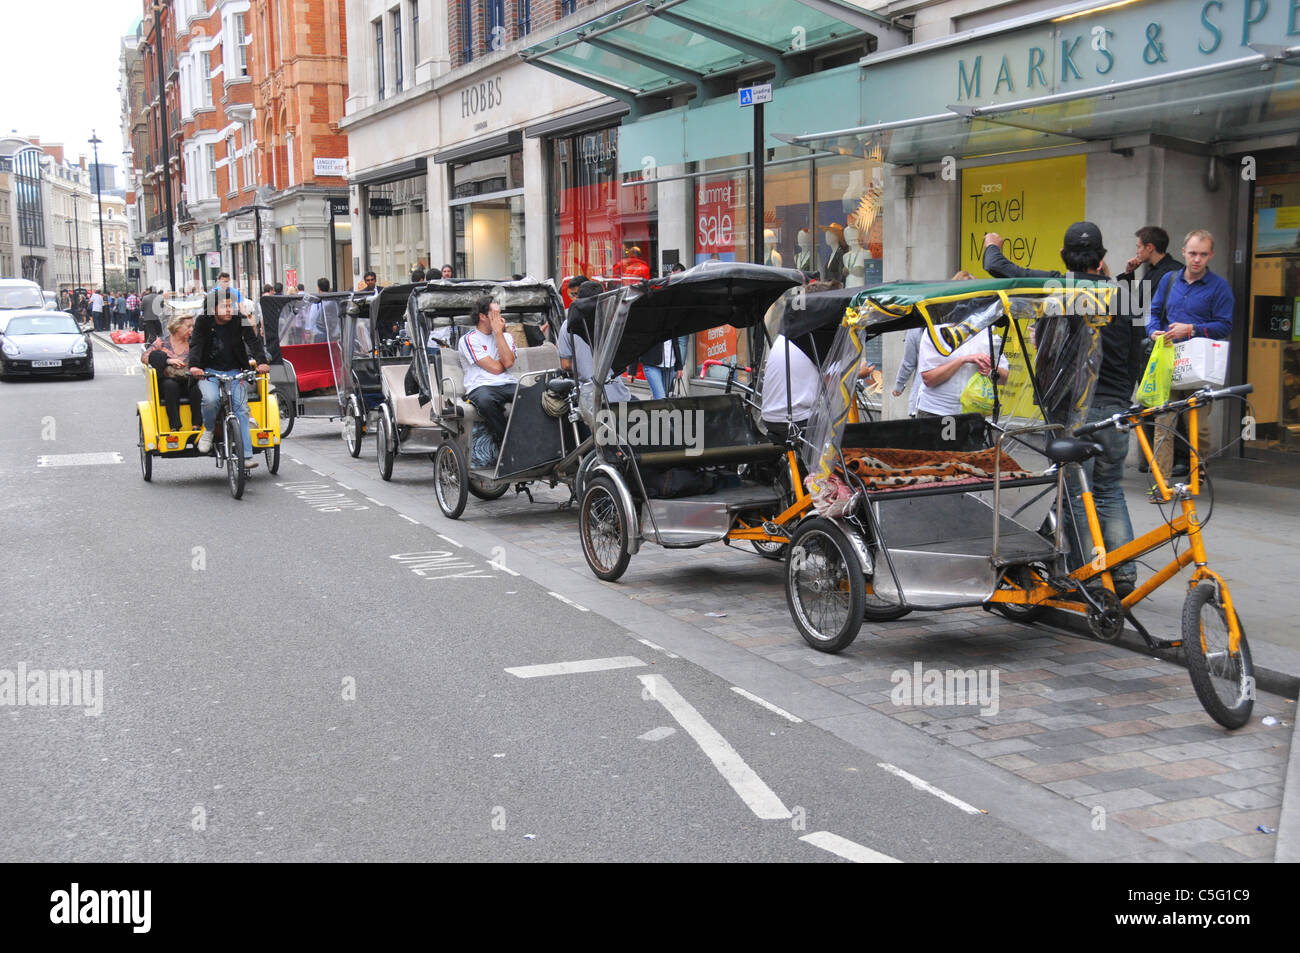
x=450, y=479
x=385, y=446
x=354, y=423
x=1021, y=577
x=488, y=489
x=273, y=459
x=604, y=528
x=824, y=586
x=1224, y=681
x=146, y=458
x=768, y=550
x=287, y=414
x=235, y=471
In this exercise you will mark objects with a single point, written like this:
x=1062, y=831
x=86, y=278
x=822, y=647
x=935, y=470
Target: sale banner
x=715, y=220
x=1029, y=204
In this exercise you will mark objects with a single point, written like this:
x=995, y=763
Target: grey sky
x=58, y=69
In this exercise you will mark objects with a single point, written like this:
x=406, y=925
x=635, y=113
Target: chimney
x=56, y=151
x=82, y=162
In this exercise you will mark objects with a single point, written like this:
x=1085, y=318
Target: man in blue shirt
x=1193, y=302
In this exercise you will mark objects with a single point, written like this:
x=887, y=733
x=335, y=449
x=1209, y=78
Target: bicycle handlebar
x=1203, y=396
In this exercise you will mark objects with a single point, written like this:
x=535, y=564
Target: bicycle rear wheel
x=1224, y=681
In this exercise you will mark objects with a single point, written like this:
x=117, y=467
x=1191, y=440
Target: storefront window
x=848, y=193
x=487, y=208
x=1273, y=364
x=289, y=258
x=398, y=229
x=604, y=224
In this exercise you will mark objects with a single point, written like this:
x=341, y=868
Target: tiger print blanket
x=887, y=467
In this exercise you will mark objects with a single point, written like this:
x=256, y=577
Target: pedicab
x=681, y=472
x=303, y=336
x=540, y=445
x=369, y=339
x=158, y=441
x=960, y=510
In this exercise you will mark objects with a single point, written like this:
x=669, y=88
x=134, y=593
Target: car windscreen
x=54, y=324
x=21, y=298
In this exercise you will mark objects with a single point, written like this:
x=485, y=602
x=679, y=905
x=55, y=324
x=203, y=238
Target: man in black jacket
x=1152, y=246
x=222, y=344
x=1083, y=254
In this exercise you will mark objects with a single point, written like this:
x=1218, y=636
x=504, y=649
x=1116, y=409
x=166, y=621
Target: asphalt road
x=309, y=675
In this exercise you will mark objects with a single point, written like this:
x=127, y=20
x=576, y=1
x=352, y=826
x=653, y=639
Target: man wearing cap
x=1083, y=255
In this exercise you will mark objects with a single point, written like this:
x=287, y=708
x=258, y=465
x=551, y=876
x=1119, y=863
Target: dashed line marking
x=849, y=850
x=768, y=705
x=315, y=471
x=296, y=460
x=408, y=519
x=501, y=567
x=923, y=785
x=566, y=600
x=575, y=668
x=375, y=501
x=450, y=540
x=658, y=648
x=343, y=485
x=760, y=799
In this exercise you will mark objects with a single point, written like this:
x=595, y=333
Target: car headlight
x=10, y=348
x=79, y=347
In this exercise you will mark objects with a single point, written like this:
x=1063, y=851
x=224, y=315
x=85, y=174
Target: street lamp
x=76, y=231
x=94, y=141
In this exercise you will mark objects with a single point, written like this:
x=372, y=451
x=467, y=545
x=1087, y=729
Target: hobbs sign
x=481, y=97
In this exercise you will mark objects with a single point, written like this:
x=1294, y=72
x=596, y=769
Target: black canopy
x=811, y=320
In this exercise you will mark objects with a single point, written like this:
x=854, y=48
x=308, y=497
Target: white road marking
x=760, y=799
x=77, y=459
x=658, y=648
x=842, y=847
x=370, y=498
x=574, y=668
x=296, y=460
x=450, y=540
x=343, y=485
x=768, y=705
x=567, y=601
x=657, y=734
x=922, y=785
x=502, y=568
x=408, y=519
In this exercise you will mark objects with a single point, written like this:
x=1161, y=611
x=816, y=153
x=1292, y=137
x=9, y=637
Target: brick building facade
x=154, y=125
x=299, y=73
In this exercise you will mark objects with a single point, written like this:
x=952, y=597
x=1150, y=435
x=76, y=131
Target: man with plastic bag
x=1083, y=254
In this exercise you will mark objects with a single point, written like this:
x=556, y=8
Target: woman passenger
x=169, y=357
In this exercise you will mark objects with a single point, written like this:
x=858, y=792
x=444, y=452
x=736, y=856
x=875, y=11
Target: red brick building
x=154, y=124
x=300, y=84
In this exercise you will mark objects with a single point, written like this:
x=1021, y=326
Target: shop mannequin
x=803, y=259
x=855, y=259
x=772, y=256
x=836, y=249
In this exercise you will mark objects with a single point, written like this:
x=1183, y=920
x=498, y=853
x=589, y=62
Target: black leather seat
x=1071, y=450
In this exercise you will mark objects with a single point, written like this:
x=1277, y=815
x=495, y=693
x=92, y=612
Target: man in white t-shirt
x=486, y=354
x=944, y=378
x=777, y=417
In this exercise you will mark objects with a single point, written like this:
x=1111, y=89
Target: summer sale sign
x=1030, y=204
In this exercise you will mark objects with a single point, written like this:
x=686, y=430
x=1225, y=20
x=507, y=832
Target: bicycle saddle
x=1071, y=449
x=560, y=385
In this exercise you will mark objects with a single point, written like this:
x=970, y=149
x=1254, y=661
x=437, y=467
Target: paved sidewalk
x=1098, y=725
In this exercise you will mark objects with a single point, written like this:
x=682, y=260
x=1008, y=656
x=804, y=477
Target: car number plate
x=47, y=363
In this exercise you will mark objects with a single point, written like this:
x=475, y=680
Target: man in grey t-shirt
x=575, y=352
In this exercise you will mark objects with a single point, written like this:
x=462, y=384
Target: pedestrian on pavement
x=119, y=311
x=417, y=275
x=151, y=310
x=1191, y=302
x=96, y=311
x=447, y=272
x=1084, y=256
x=133, y=311
x=368, y=282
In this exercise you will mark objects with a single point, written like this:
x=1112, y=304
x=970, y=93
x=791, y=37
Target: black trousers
x=491, y=404
x=171, y=390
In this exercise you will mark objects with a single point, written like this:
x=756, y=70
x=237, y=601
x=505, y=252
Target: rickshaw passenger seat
x=1071, y=450
x=529, y=360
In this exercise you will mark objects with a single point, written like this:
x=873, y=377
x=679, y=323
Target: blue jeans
x=1105, y=475
x=660, y=380
x=211, y=392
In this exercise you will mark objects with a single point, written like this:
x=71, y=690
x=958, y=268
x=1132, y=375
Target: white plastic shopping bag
x=1200, y=362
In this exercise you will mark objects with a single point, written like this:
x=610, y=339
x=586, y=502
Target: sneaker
x=1181, y=470
x=250, y=463
x=1124, y=587
x=205, y=442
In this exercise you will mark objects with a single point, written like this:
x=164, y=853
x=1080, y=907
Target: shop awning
x=1205, y=110
x=642, y=52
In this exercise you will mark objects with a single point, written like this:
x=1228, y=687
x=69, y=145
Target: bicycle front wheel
x=235, y=471
x=1224, y=680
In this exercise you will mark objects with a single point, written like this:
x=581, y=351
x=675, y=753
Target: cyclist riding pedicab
x=223, y=345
